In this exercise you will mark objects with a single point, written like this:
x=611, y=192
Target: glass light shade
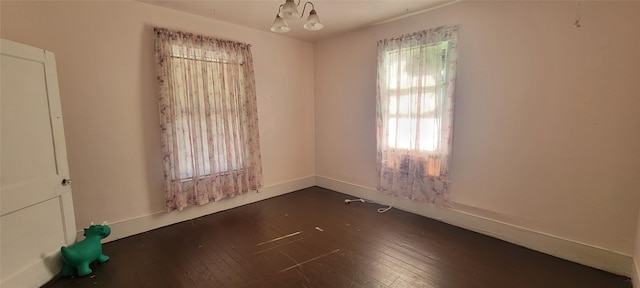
x=280, y=25
x=313, y=22
x=289, y=10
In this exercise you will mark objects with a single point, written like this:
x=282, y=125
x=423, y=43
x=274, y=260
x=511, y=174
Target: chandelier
x=289, y=11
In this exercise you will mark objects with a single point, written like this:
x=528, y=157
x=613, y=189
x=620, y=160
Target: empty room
x=277, y=143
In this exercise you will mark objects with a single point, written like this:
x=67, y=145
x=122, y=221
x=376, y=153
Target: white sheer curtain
x=416, y=80
x=208, y=115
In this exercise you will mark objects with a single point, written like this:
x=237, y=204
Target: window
x=208, y=114
x=416, y=80
x=414, y=124
x=211, y=99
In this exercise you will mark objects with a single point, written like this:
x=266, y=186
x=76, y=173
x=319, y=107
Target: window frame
x=185, y=155
x=424, y=114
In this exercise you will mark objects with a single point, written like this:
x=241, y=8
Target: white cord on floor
x=380, y=210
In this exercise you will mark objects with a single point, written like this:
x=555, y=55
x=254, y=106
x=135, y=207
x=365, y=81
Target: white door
x=36, y=208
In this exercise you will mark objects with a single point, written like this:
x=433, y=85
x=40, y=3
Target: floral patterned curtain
x=208, y=118
x=416, y=80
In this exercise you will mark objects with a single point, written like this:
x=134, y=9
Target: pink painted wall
x=636, y=256
x=546, y=114
x=104, y=53
x=546, y=122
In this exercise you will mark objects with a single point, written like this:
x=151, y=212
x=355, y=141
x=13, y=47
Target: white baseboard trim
x=128, y=227
x=567, y=249
x=635, y=278
x=37, y=274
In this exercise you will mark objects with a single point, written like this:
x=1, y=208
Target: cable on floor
x=380, y=210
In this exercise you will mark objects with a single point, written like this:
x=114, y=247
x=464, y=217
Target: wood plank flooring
x=311, y=238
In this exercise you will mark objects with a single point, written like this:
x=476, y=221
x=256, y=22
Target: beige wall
x=107, y=83
x=546, y=114
x=636, y=256
x=546, y=122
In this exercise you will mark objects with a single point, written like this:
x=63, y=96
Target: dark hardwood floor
x=311, y=238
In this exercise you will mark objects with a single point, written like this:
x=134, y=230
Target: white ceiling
x=337, y=16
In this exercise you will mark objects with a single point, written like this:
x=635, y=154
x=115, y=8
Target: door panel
x=22, y=232
x=36, y=210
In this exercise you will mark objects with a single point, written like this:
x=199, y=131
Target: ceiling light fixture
x=289, y=10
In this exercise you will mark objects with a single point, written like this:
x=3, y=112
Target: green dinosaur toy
x=80, y=255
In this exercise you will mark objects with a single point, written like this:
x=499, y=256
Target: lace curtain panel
x=414, y=113
x=208, y=118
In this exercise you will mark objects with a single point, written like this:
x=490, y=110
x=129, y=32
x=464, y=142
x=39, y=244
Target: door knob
x=66, y=182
